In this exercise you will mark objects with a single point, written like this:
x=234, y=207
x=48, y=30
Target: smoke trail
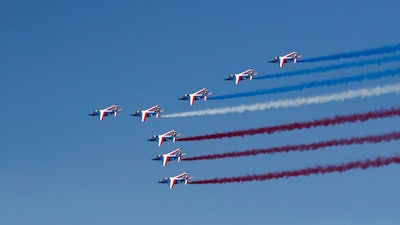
x=361, y=164
x=314, y=84
x=302, y=147
x=354, y=54
x=337, y=97
x=352, y=118
x=322, y=69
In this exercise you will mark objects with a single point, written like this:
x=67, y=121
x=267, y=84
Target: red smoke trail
x=361, y=164
x=303, y=147
x=352, y=118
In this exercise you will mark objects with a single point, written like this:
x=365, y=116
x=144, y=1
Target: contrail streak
x=302, y=147
x=352, y=118
x=361, y=164
x=313, y=84
x=296, y=102
x=322, y=69
x=354, y=54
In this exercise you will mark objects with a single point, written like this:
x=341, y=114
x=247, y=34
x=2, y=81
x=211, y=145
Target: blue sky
x=61, y=60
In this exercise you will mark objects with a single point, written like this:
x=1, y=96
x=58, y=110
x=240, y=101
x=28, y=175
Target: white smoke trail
x=335, y=97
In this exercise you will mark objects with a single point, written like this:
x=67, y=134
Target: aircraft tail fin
x=187, y=180
x=296, y=59
x=117, y=110
x=206, y=95
x=252, y=76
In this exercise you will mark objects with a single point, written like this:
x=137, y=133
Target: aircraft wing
x=144, y=115
x=199, y=92
x=102, y=114
x=165, y=160
x=175, y=152
x=182, y=175
x=282, y=61
x=192, y=98
x=172, y=183
x=160, y=140
x=238, y=78
x=154, y=108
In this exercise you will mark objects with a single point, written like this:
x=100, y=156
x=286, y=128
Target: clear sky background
x=61, y=60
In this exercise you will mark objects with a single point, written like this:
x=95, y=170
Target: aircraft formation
x=172, y=135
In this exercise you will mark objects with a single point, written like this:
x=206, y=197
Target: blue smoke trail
x=332, y=67
x=367, y=52
x=332, y=82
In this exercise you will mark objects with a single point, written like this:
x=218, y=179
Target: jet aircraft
x=174, y=155
x=170, y=135
x=153, y=111
x=248, y=74
x=181, y=178
x=201, y=94
x=293, y=56
x=112, y=110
